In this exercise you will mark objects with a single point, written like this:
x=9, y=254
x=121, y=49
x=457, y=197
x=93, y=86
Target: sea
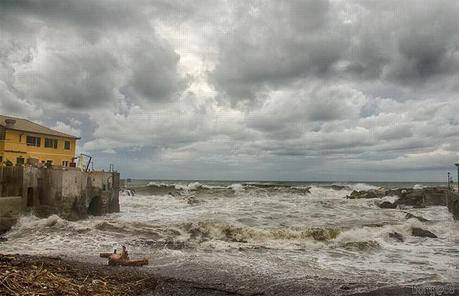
x=246, y=232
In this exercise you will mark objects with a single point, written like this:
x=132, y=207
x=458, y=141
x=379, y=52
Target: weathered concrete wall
x=68, y=192
x=10, y=208
x=453, y=204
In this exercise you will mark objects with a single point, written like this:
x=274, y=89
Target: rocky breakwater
x=418, y=198
x=430, y=196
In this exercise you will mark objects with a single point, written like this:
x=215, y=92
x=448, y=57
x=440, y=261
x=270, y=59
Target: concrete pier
x=68, y=192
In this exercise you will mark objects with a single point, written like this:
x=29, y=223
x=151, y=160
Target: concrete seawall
x=68, y=192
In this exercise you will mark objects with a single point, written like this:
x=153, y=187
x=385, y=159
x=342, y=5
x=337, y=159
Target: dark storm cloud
x=87, y=14
x=291, y=89
x=154, y=75
x=274, y=42
x=87, y=54
x=402, y=42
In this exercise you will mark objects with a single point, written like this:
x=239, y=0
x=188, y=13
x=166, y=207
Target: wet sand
x=22, y=274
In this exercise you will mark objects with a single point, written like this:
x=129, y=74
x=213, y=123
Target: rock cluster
x=432, y=196
x=422, y=232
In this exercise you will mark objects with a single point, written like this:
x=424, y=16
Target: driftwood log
x=122, y=259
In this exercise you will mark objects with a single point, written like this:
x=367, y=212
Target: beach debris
x=416, y=231
x=411, y=216
x=387, y=205
x=397, y=236
x=28, y=275
x=122, y=258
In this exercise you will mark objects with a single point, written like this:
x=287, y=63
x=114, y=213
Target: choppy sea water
x=278, y=231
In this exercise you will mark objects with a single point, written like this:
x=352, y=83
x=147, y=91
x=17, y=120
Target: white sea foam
x=418, y=186
x=236, y=187
x=269, y=228
x=362, y=186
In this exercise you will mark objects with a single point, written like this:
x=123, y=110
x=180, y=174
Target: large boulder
x=365, y=194
x=416, y=231
x=432, y=196
x=411, y=216
x=387, y=205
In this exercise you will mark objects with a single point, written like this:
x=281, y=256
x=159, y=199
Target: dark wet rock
x=3, y=239
x=361, y=246
x=387, y=205
x=433, y=196
x=375, y=224
x=364, y=194
x=418, y=198
x=411, y=216
x=422, y=232
x=453, y=204
x=396, y=236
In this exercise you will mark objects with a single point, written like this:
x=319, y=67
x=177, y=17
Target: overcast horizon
x=241, y=90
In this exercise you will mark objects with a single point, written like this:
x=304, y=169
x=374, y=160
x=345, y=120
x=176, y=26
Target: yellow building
x=22, y=140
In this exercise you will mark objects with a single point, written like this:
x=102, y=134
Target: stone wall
x=67, y=192
x=10, y=209
x=453, y=204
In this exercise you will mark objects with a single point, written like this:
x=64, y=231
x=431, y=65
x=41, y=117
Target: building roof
x=26, y=125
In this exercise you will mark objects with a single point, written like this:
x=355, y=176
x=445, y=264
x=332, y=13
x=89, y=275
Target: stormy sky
x=260, y=90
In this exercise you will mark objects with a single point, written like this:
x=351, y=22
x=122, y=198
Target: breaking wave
x=154, y=188
x=273, y=224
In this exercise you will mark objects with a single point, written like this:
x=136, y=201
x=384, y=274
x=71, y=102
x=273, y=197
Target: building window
x=67, y=145
x=20, y=161
x=33, y=141
x=50, y=143
x=65, y=163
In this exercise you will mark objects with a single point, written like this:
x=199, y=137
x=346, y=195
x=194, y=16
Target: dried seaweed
x=22, y=275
